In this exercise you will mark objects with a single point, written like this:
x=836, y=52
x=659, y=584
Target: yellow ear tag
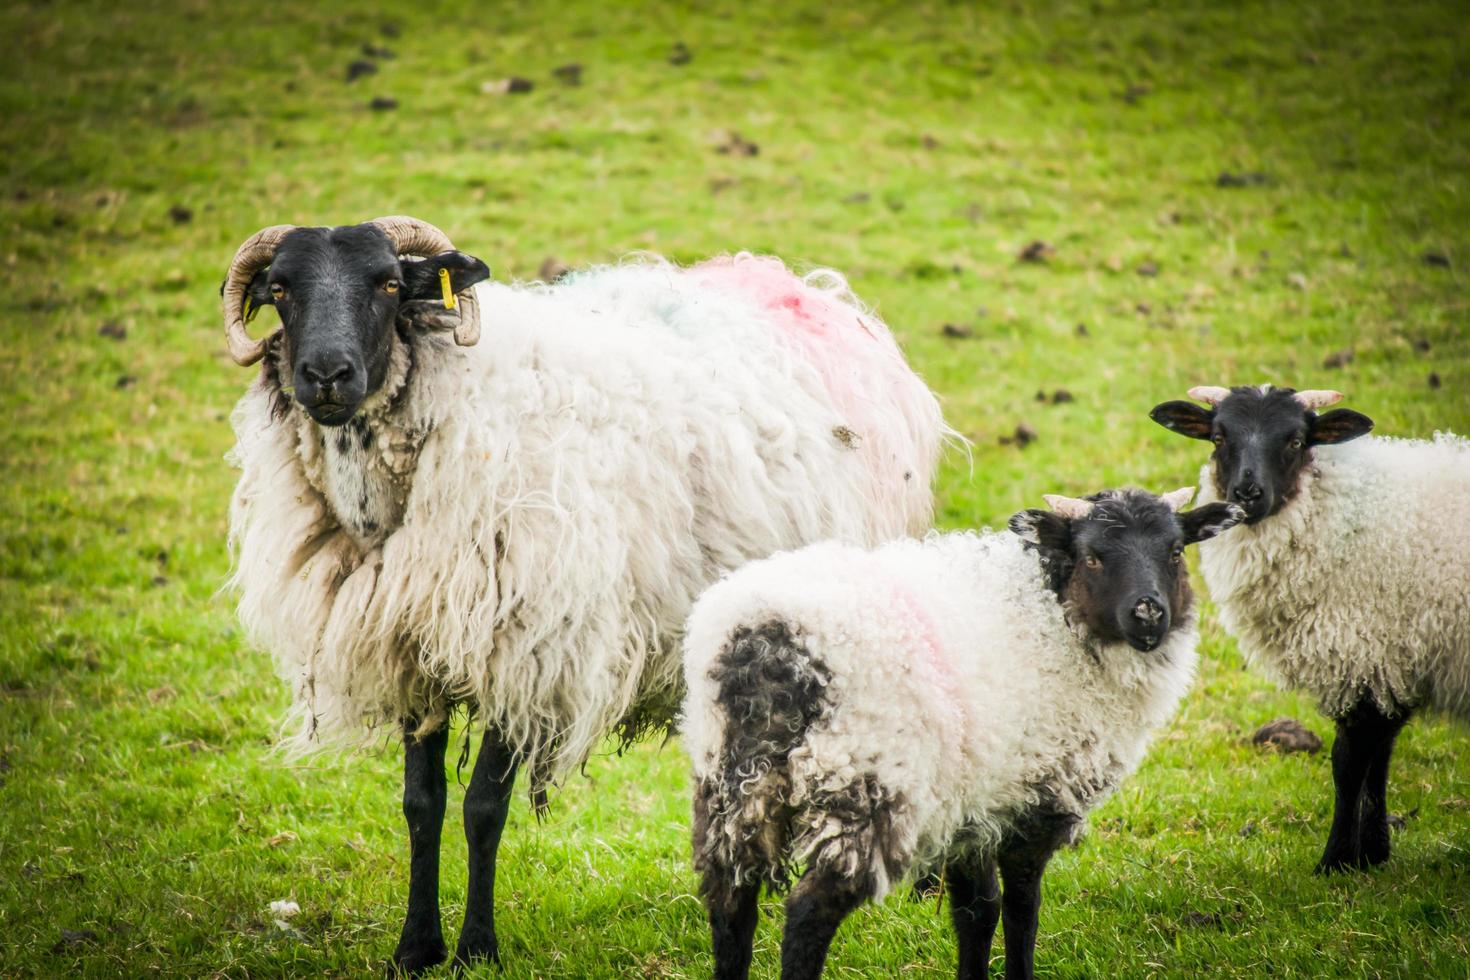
x=250, y=310
x=449, y=300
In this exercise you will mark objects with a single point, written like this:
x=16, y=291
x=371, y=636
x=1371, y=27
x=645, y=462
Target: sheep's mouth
x=1145, y=642
x=331, y=413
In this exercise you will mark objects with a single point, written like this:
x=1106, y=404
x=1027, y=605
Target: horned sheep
x=957, y=703
x=518, y=527
x=1350, y=579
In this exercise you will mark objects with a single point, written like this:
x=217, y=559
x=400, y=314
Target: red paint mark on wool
x=930, y=643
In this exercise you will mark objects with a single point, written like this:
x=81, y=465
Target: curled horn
x=1209, y=394
x=1067, y=506
x=410, y=236
x=1317, y=398
x=251, y=257
x=1178, y=499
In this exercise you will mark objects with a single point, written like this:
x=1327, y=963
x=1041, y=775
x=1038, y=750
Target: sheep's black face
x=339, y=292
x=1119, y=567
x=1263, y=441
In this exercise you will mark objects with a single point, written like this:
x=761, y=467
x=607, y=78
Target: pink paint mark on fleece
x=852, y=353
x=933, y=664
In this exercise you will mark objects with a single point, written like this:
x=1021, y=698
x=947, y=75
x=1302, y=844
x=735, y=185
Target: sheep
x=958, y=703
x=1350, y=580
x=517, y=528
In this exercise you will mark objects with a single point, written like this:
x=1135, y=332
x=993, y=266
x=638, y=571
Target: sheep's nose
x=1246, y=493
x=328, y=375
x=1148, y=611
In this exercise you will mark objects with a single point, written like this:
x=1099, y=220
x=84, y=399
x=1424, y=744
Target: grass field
x=145, y=824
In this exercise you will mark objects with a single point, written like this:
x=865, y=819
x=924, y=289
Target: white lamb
x=520, y=526
x=1350, y=580
x=959, y=702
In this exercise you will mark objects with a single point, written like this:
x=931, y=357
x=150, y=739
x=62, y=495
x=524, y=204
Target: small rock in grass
x=1249, y=179
x=957, y=330
x=1338, y=358
x=114, y=330
x=569, y=73
x=732, y=144
x=1036, y=251
x=1147, y=269
x=552, y=269
x=360, y=68
x=1434, y=381
x=680, y=54
x=514, y=85
x=72, y=938
x=1436, y=258
x=1287, y=735
x=180, y=215
x=1021, y=438
x=383, y=103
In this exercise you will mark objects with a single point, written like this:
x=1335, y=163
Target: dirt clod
x=1434, y=381
x=114, y=330
x=375, y=51
x=1081, y=330
x=1252, y=178
x=125, y=381
x=957, y=330
x=383, y=103
x=552, y=269
x=1338, y=358
x=1149, y=269
x=732, y=144
x=1287, y=735
x=1036, y=251
x=514, y=85
x=569, y=73
x=180, y=215
x=1436, y=258
x=1022, y=437
x=360, y=68
x=680, y=54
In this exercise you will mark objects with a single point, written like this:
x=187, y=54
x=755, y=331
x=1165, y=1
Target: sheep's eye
x=1295, y=444
x=390, y=286
x=1219, y=439
x=278, y=291
x=1177, y=556
x=1093, y=561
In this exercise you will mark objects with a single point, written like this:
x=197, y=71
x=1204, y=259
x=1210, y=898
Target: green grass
x=918, y=147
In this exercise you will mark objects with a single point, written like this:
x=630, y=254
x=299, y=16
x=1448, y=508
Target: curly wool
x=521, y=527
x=954, y=696
x=1360, y=584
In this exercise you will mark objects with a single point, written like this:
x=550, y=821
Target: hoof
x=475, y=952
x=417, y=960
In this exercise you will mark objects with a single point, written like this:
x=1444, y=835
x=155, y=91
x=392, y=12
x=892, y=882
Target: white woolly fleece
x=1361, y=583
x=955, y=681
x=525, y=523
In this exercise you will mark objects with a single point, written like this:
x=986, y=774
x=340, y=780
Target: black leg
x=486, y=804
x=421, y=945
x=732, y=920
x=1373, y=833
x=1364, y=744
x=974, y=908
x=1023, y=858
x=817, y=906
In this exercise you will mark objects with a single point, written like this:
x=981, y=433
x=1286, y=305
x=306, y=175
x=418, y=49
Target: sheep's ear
x=1205, y=522
x=258, y=293
x=421, y=279
x=1185, y=418
x=1339, y=425
x=1043, y=528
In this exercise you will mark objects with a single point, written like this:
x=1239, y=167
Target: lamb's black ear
x=421, y=279
x=1339, y=425
x=1185, y=418
x=1043, y=528
x=1208, y=520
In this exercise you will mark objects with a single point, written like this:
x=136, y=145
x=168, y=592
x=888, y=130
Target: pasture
x=1067, y=212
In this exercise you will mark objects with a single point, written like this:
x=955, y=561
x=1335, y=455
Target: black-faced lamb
x=957, y=703
x=1350, y=579
x=518, y=527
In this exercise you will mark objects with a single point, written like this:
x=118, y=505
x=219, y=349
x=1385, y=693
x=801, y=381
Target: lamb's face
x=339, y=293
x=1263, y=438
x=1117, y=558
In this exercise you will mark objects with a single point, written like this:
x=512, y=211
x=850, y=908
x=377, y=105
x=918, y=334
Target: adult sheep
x=518, y=527
x=1350, y=579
